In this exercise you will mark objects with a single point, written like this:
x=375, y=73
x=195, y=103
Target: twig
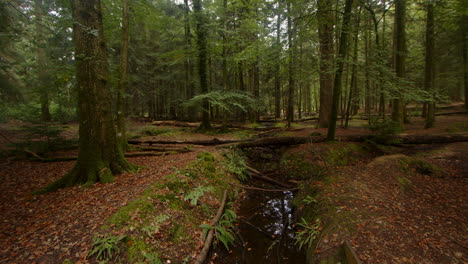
x=262, y=189
x=209, y=238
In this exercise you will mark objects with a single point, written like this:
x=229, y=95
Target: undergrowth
x=162, y=222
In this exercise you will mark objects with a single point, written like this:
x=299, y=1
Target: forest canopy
x=239, y=60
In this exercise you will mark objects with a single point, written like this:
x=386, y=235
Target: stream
x=265, y=230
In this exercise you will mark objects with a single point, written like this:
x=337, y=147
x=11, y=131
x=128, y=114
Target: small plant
x=152, y=259
x=196, y=193
x=224, y=229
x=384, y=130
x=308, y=200
x=155, y=224
x=236, y=164
x=308, y=234
x=105, y=247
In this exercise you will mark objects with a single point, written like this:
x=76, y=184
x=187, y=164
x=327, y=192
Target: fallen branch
x=128, y=155
x=257, y=175
x=209, y=237
x=263, y=189
x=212, y=142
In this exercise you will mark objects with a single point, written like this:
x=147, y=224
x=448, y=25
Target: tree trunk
x=325, y=30
x=202, y=57
x=121, y=107
x=339, y=69
x=277, y=66
x=464, y=35
x=43, y=76
x=291, y=68
x=429, y=69
x=400, y=55
x=100, y=156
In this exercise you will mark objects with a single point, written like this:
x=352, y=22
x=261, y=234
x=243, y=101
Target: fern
x=228, y=101
x=224, y=229
x=235, y=163
x=104, y=248
x=196, y=193
x=309, y=232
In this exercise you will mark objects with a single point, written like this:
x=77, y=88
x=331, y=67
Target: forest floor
x=401, y=217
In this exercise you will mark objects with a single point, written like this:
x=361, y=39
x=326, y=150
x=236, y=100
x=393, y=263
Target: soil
x=425, y=224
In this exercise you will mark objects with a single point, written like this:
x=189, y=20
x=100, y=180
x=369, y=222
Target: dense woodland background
x=261, y=58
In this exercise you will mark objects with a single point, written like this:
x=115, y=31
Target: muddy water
x=265, y=231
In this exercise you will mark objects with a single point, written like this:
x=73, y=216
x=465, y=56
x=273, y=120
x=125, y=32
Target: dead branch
x=209, y=238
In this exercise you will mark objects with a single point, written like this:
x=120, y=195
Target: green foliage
x=236, y=164
x=152, y=258
x=228, y=101
x=308, y=233
x=224, y=229
x=105, y=247
x=154, y=226
x=196, y=193
x=384, y=130
x=309, y=200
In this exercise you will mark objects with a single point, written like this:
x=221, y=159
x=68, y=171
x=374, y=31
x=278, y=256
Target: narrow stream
x=265, y=230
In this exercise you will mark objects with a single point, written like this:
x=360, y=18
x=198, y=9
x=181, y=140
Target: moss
x=137, y=250
x=342, y=154
x=405, y=183
x=124, y=215
x=296, y=167
x=177, y=233
x=410, y=165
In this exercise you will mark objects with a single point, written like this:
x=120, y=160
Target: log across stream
x=265, y=228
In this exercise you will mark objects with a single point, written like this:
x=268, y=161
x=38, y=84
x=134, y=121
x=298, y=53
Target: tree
x=100, y=156
x=399, y=58
x=43, y=76
x=325, y=31
x=429, y=65
x=202, y=54
x=291, y=67
x=339, y=69
x=121, y=102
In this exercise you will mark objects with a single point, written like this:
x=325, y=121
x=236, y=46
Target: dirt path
x=53, y=227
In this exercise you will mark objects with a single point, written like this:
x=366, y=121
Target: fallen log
x=257, y=175
x=452, y=113
x=209, y=237
x=286, y=141
x=211, y=142
x=128, y=155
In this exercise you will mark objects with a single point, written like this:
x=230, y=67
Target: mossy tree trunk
x=121, y=101
x=400, y=56
x=202, y=55
x=278, y=65
x=43, y=76
x=100, y=156
x=290, y=113
x=339, y=69
x=325, y=21
x=429, y=69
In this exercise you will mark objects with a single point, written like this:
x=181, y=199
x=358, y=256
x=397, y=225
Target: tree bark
x=121, y=102
x=339, y=69
x=400, y=57
x=291, y=68
x=202, y=58
x=278, y=65
x=43, y=76
x=429, y=69
x=99, y=156
x=325, y=30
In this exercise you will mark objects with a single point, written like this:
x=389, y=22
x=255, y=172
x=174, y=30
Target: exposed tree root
x=209, y=237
